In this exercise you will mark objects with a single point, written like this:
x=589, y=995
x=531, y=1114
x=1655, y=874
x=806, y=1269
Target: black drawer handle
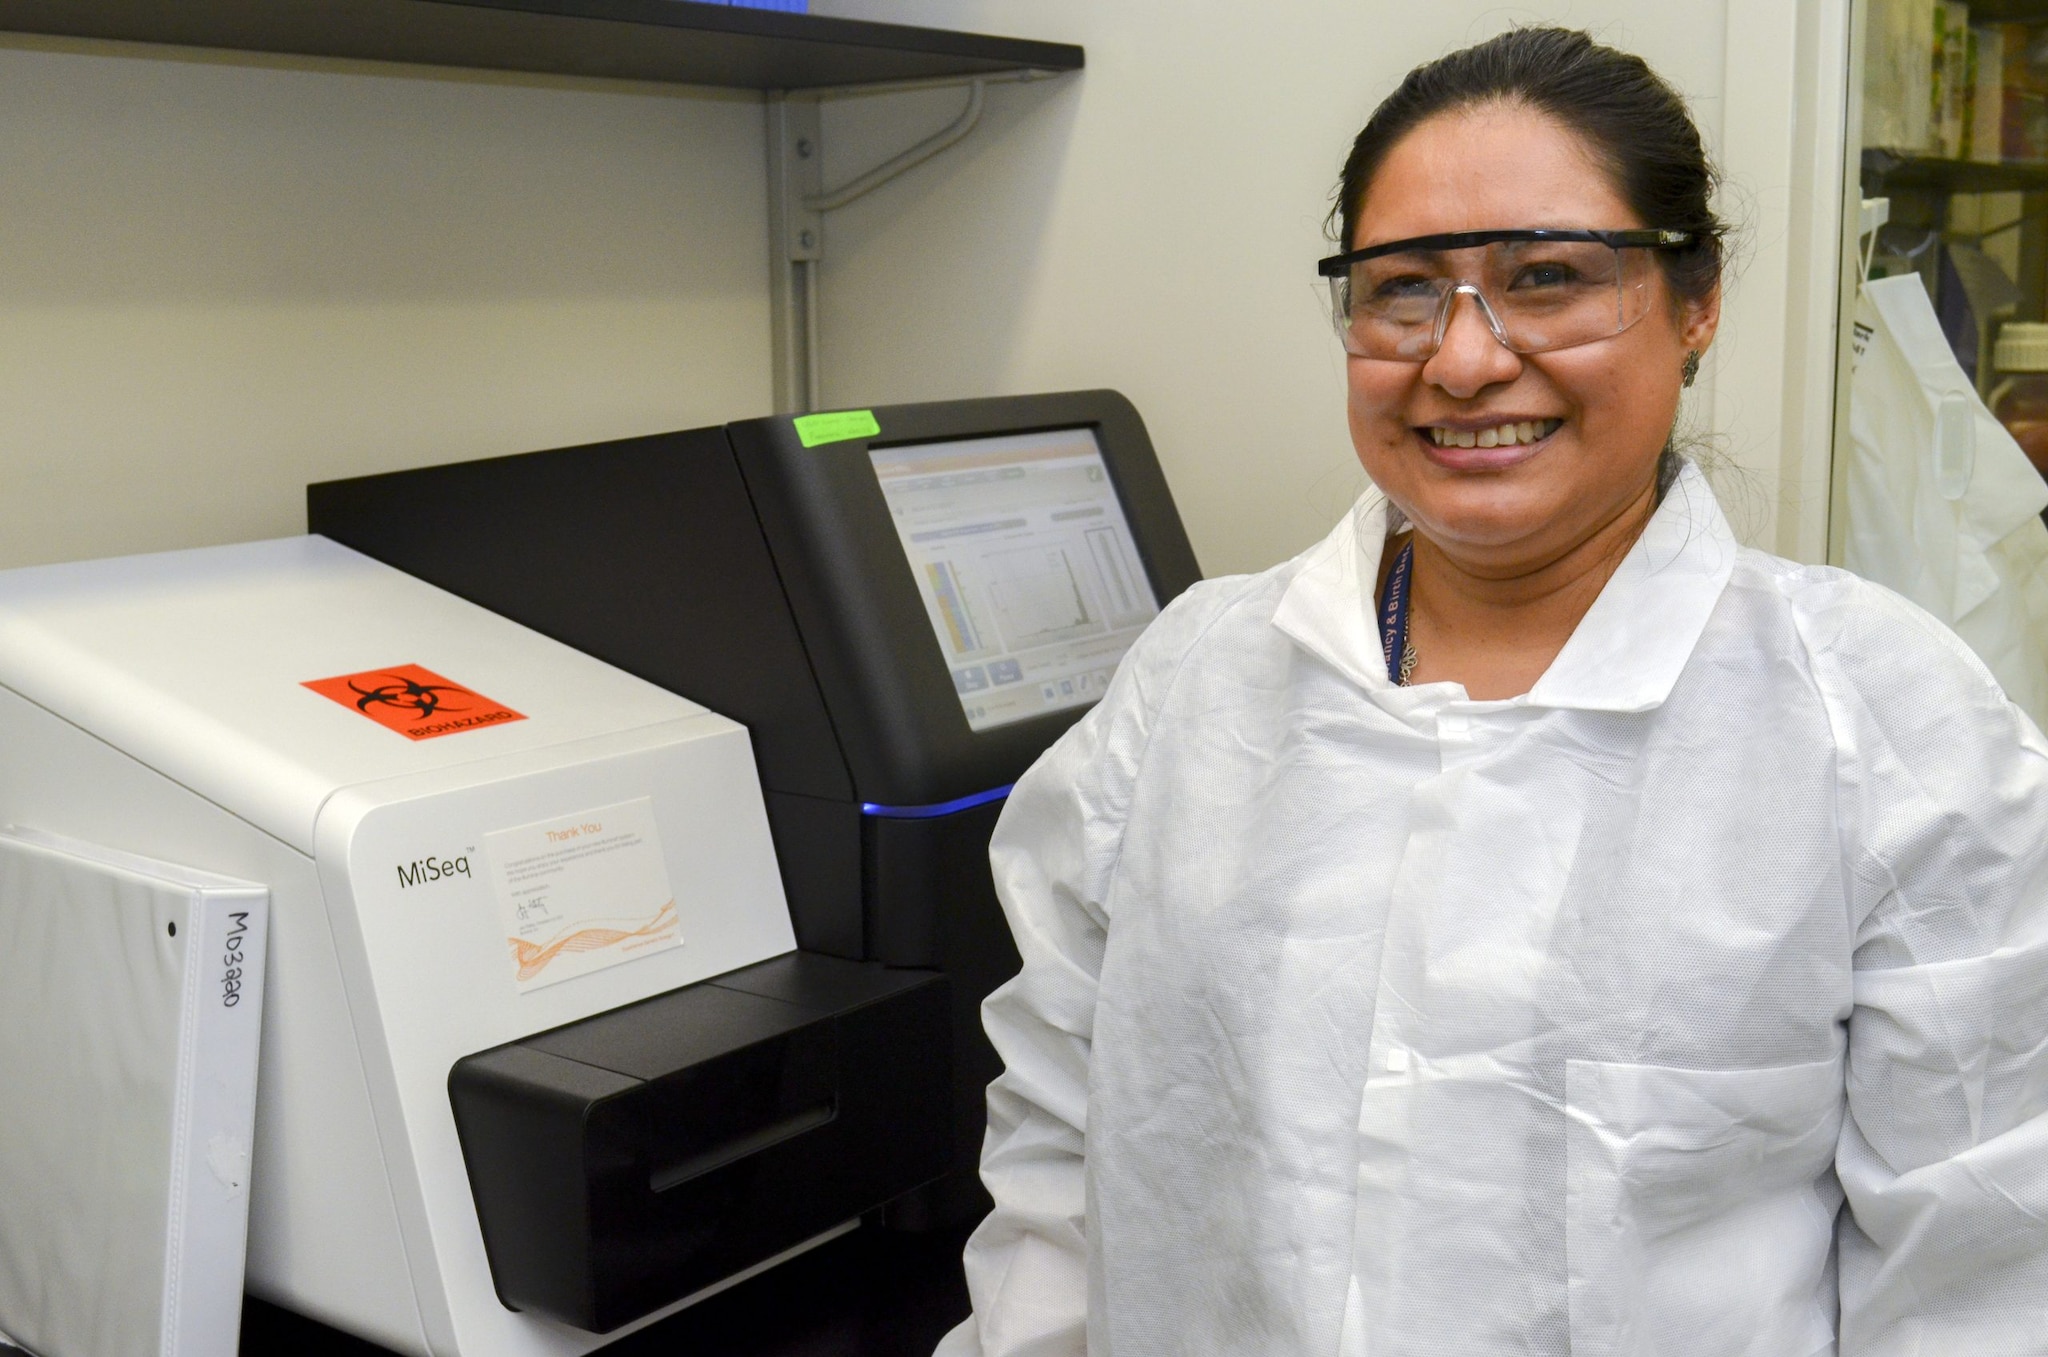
x=740, y=1147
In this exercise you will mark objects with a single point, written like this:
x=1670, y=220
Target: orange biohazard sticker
x=417, y=703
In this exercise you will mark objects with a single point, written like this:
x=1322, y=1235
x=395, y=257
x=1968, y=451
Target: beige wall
x=223, y=278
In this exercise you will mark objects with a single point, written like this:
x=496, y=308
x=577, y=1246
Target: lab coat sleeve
x=1944, y=1154
x=1054, y=854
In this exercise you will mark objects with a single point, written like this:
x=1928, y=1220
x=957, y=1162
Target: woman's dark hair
x=1637, y=125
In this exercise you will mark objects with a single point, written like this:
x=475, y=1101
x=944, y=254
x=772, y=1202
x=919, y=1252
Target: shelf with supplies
x=1888, y=172
x=2009, y=11
x=674, y=41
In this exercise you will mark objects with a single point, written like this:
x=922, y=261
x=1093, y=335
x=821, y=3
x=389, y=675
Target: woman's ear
x=1699, y=320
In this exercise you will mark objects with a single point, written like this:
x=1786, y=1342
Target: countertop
x=871, y=1293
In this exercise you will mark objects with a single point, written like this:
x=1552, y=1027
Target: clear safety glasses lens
x=1534, y=295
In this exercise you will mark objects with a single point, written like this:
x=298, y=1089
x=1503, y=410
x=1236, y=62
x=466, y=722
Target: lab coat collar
x=1625, y=655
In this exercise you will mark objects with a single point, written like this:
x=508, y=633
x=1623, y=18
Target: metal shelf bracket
x=798, y=201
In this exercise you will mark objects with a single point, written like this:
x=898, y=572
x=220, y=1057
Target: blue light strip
x=942, y=808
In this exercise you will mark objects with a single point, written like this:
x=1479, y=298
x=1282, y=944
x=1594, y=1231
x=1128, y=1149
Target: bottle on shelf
x=2020, y=400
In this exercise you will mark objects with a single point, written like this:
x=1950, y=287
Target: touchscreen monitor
x=1026, y=564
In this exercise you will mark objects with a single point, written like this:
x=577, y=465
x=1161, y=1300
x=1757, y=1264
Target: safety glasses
x=1537, y=290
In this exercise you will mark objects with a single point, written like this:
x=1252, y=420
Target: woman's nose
x=1471, y=357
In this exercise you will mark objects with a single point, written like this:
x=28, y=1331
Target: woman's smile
x=1486, y=444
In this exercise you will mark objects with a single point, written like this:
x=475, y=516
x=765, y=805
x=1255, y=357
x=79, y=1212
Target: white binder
x=131, y=996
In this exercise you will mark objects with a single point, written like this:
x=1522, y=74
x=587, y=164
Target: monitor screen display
x=1026, y=564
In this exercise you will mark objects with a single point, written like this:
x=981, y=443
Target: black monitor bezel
x=887, y=683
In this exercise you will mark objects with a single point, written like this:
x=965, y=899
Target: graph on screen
x=1025, y=561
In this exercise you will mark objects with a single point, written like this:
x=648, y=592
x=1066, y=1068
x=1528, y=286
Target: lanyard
x=1394, y=611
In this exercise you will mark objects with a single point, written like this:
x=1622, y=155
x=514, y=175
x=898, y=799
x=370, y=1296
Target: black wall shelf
x=675, y=41
x=2008, y=11
x=1890, y=172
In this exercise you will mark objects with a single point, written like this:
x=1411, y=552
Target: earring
x=1689, y=371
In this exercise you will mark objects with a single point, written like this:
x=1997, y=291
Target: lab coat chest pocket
x=1700, y=1209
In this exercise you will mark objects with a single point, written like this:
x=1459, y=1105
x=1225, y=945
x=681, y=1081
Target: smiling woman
x=1583, y=341
x=1545, y=969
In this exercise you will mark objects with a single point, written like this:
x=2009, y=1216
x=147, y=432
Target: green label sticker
x=836, y=427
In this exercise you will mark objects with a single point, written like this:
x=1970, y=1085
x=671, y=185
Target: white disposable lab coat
x=1357, y=1019
x=1947, y=516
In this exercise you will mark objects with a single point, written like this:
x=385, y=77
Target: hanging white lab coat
x=1969, y=546
x=1357, y=1019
